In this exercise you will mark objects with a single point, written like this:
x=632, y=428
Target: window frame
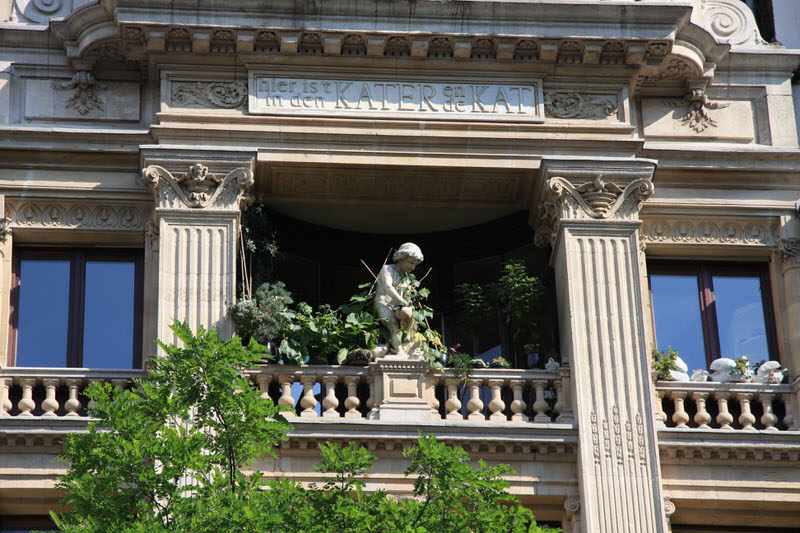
x=704, y=271
x=77, y=258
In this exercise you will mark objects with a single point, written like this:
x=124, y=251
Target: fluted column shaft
x=198, y=200
x=594, y=227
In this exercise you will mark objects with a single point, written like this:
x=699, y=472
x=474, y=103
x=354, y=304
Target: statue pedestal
x=403, y=389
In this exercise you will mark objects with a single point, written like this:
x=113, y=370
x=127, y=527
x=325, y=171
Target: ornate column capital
x=188, y=181
x=590, y=190
x=789, y=254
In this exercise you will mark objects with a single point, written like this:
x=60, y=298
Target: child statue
x=390, y=305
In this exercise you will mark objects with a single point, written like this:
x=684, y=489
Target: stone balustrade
x=346, y=392
x=505, y=395
x=54, y=392
x=490, y=395
x=727, y=406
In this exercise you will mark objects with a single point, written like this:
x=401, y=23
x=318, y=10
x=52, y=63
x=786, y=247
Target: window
x=712, y=310
x=76, y=308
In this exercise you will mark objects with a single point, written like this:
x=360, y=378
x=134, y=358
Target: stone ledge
x=726, y=447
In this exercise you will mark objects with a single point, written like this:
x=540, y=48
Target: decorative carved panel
x=718, y=232
x=66, y=215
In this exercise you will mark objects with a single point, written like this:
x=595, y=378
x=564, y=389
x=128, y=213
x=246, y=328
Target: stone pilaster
x=788, y=254
x=590, y=216
x=6, y=246
x=194, y=235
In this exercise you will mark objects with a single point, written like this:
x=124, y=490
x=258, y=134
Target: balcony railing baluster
x=748, y=397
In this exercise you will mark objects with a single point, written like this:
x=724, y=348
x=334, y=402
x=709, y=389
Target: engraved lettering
x=477, y=92
x=405, y=97
x=341, y=87
x=409, y=99
x=501, y=97
x=365, y=95
x=426, y=93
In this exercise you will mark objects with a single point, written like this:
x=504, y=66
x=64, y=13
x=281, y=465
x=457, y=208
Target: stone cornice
x=556, y=440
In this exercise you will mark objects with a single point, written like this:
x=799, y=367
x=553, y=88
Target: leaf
x=341, y=357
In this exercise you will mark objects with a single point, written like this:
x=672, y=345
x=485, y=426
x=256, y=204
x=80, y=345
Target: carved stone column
x=789, y=263
x=6, y=245
x=591, y=218
x=196, y=223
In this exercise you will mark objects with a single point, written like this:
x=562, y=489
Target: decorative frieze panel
x=81, y=98
x=222, y=95
x=698, y=117
x=679, y=230
x=574, y=105
x=443, y=187
x=65, y=215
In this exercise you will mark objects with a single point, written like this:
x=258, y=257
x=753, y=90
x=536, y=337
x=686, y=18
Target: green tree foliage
x=170, y=455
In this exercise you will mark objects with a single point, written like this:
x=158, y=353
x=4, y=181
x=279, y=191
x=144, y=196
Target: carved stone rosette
x=199, y=188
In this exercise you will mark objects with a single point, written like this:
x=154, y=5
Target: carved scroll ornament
x=225, y=95
x=789, y=253
x=599, y=198
x=576, y=105
x=199, y=188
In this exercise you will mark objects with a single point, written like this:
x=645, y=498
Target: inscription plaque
x=417, y=100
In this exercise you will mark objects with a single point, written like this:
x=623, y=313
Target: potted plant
x=264, y=317
x=515, y=298
x=500, y=362
x=668, y=366
x=736, y=370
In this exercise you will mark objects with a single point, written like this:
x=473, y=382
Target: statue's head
x=409, y=251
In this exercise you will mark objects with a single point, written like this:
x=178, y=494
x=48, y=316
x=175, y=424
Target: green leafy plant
x=501, y=362
x=463, y=366
x=170, y=456
x=742, y=371
x=663, y=362
x=264, y=317
x=155, y=454
x=516, y=296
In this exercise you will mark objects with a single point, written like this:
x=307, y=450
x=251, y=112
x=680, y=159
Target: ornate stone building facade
x=638, y=137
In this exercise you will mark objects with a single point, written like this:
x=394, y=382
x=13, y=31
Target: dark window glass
x=76, y=307
x=740, y=317
x=108, y=314
x=708, y=310
x=43, y=312
x=676, y=310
